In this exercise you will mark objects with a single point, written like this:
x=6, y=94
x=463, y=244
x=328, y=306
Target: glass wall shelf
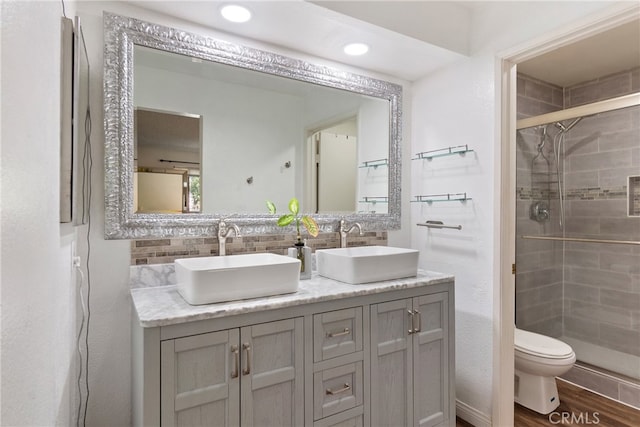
x=374, y=163
x=442, y=152
x=374, y=200
x=448, y=197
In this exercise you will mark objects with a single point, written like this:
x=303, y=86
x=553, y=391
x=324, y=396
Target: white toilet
x=538, y=360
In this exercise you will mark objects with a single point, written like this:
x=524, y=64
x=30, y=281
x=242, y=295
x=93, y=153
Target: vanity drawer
x=337, y=389
x=337, y=333
x=352, y=418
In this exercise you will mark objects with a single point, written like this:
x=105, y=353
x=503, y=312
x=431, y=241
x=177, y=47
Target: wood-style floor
x=579, y=407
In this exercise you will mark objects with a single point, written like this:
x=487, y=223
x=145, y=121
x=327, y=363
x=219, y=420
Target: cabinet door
x=273, y=374
x=391, y=364
x=431, y=360
x=198, y=382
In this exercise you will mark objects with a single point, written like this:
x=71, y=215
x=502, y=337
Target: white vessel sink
x=365, y=264
x=226, y=278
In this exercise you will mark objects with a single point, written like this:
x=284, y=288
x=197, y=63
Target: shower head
x=559, y=138
x=575, y=122
x=564, y=128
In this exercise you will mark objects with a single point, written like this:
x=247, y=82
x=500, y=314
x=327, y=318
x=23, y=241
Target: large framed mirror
x=198, y=130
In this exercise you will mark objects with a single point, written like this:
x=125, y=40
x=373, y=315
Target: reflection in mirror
x=253, y=124
x=260, y=114
x=335, y=162
x=167, y=157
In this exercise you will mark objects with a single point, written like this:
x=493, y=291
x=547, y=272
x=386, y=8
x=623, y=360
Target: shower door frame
x=506, y=92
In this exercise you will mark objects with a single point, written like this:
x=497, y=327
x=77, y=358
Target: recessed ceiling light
x=235, y=13
x=356, y=49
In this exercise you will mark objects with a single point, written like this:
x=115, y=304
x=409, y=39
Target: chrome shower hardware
x=559, y=139
x=539, y=212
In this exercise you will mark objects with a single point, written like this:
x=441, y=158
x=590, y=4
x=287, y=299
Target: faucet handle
x=222, y=228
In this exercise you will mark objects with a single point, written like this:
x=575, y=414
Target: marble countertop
x=163, y=305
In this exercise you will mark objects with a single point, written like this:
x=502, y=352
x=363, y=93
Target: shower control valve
x=539, y=212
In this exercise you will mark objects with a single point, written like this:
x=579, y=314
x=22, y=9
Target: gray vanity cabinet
x=411, y=363
x=337, y=355
x=249, y=376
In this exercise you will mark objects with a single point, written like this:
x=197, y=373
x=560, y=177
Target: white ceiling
x=441, y=23
x=167, y=131
x=601, y=55
x=408, y=39
x=321, y=32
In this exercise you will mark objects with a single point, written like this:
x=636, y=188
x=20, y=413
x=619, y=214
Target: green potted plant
x=309, y=223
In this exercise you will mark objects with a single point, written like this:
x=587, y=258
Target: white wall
x=37, y=283
x=460, y=105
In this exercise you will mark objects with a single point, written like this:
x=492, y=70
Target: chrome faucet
x=344, y=230
x=225, y=231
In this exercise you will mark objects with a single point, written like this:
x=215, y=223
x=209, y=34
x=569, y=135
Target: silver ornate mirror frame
x=120, y=35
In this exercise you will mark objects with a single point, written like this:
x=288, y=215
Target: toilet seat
x=541, y=346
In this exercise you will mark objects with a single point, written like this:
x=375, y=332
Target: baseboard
x=472, y=415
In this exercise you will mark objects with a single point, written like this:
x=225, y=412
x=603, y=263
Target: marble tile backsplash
x=152, y=275
x=162, y=251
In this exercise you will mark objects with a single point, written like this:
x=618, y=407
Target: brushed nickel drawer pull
x=346, y=387
x=236, y=353
x=411, y=320
x=345, y=331
x=247, y=370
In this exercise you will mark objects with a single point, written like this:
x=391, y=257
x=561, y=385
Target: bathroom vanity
x=330, y=354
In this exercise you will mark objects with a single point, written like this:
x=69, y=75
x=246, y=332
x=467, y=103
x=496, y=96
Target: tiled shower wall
x=161, y=251
x=602, y=281
x=606, y=87
x=539, y=262
x=599, y=285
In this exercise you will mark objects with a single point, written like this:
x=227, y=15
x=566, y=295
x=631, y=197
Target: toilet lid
x=540, y=345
